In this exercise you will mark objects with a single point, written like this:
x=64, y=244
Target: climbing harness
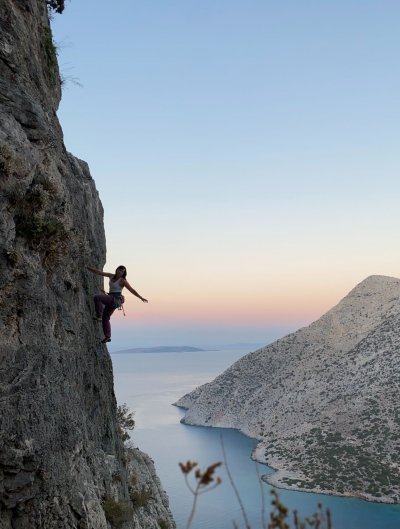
x=119, y=301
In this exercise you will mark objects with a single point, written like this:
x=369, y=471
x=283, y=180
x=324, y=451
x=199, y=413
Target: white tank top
x=115, y=287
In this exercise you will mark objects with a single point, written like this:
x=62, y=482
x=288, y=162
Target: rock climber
x=105, y=304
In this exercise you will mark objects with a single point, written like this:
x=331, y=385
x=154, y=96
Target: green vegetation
x=55, y=5
x=330, y=462
x=125, y=421
x=39, y=220
x=141, y=497
x=51, y=55
x=37, y=230
x=117, y=512
x=48, y=235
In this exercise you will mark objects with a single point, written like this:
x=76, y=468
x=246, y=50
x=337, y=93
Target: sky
x=246, y=155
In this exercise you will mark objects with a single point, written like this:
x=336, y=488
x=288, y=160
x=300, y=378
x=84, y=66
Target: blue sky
x=246, y=154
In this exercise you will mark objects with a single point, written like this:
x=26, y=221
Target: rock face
x=323, y=401
x=62, y=460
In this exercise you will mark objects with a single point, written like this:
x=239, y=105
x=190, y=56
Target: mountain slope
x=323, y=401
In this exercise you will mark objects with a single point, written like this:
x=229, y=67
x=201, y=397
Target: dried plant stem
x=263, y=521
x=206, y=481
x=329, y=519
x=239, y=499
x=194, y=504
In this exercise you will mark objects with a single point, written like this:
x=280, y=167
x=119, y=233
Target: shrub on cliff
x=55, y=5
x=125, y=421
x=117, y=512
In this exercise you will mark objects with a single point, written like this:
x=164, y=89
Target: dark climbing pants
x=104, y=306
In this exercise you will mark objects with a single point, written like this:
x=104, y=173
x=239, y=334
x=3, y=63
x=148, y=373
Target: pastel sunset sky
x=246, y=154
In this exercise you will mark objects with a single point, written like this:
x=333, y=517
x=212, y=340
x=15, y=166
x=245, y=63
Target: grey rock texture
x=150, y=501
x=61, y=456
x=323, y=401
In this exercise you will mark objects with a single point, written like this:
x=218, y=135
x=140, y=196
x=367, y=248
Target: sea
x=149, y=383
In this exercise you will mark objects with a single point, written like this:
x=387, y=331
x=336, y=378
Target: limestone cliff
x=323, y=401
x=62, y=461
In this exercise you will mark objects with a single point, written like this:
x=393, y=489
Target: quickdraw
x=119, y=303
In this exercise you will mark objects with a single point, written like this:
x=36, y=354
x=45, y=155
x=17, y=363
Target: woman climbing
x=105, y=304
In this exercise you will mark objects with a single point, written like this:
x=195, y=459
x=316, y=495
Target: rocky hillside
x=62, y=461
x=323, y=401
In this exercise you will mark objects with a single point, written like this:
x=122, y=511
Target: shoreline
x=276, y=475
x=274, y=481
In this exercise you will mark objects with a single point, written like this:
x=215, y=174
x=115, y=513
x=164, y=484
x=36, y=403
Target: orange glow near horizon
x=238, y=308
x=220, y=293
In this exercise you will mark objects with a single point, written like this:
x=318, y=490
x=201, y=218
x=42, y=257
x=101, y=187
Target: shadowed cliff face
x=60, y=453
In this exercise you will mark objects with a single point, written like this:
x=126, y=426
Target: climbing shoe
x=106, y=339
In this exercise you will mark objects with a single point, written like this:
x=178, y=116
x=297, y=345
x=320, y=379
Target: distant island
x=163, y=349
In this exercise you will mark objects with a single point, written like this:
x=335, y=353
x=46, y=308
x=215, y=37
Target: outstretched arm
x=98, y=272
x=128, y=286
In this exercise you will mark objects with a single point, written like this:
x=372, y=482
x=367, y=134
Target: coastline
x=157, y=419
x=278, y=474
x=274, y=480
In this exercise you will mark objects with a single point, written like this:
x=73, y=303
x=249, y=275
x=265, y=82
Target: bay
x=149, y=383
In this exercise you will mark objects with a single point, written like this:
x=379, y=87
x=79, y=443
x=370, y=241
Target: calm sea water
x=149, y=383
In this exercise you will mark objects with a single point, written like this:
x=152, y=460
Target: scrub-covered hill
x=323, y=401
